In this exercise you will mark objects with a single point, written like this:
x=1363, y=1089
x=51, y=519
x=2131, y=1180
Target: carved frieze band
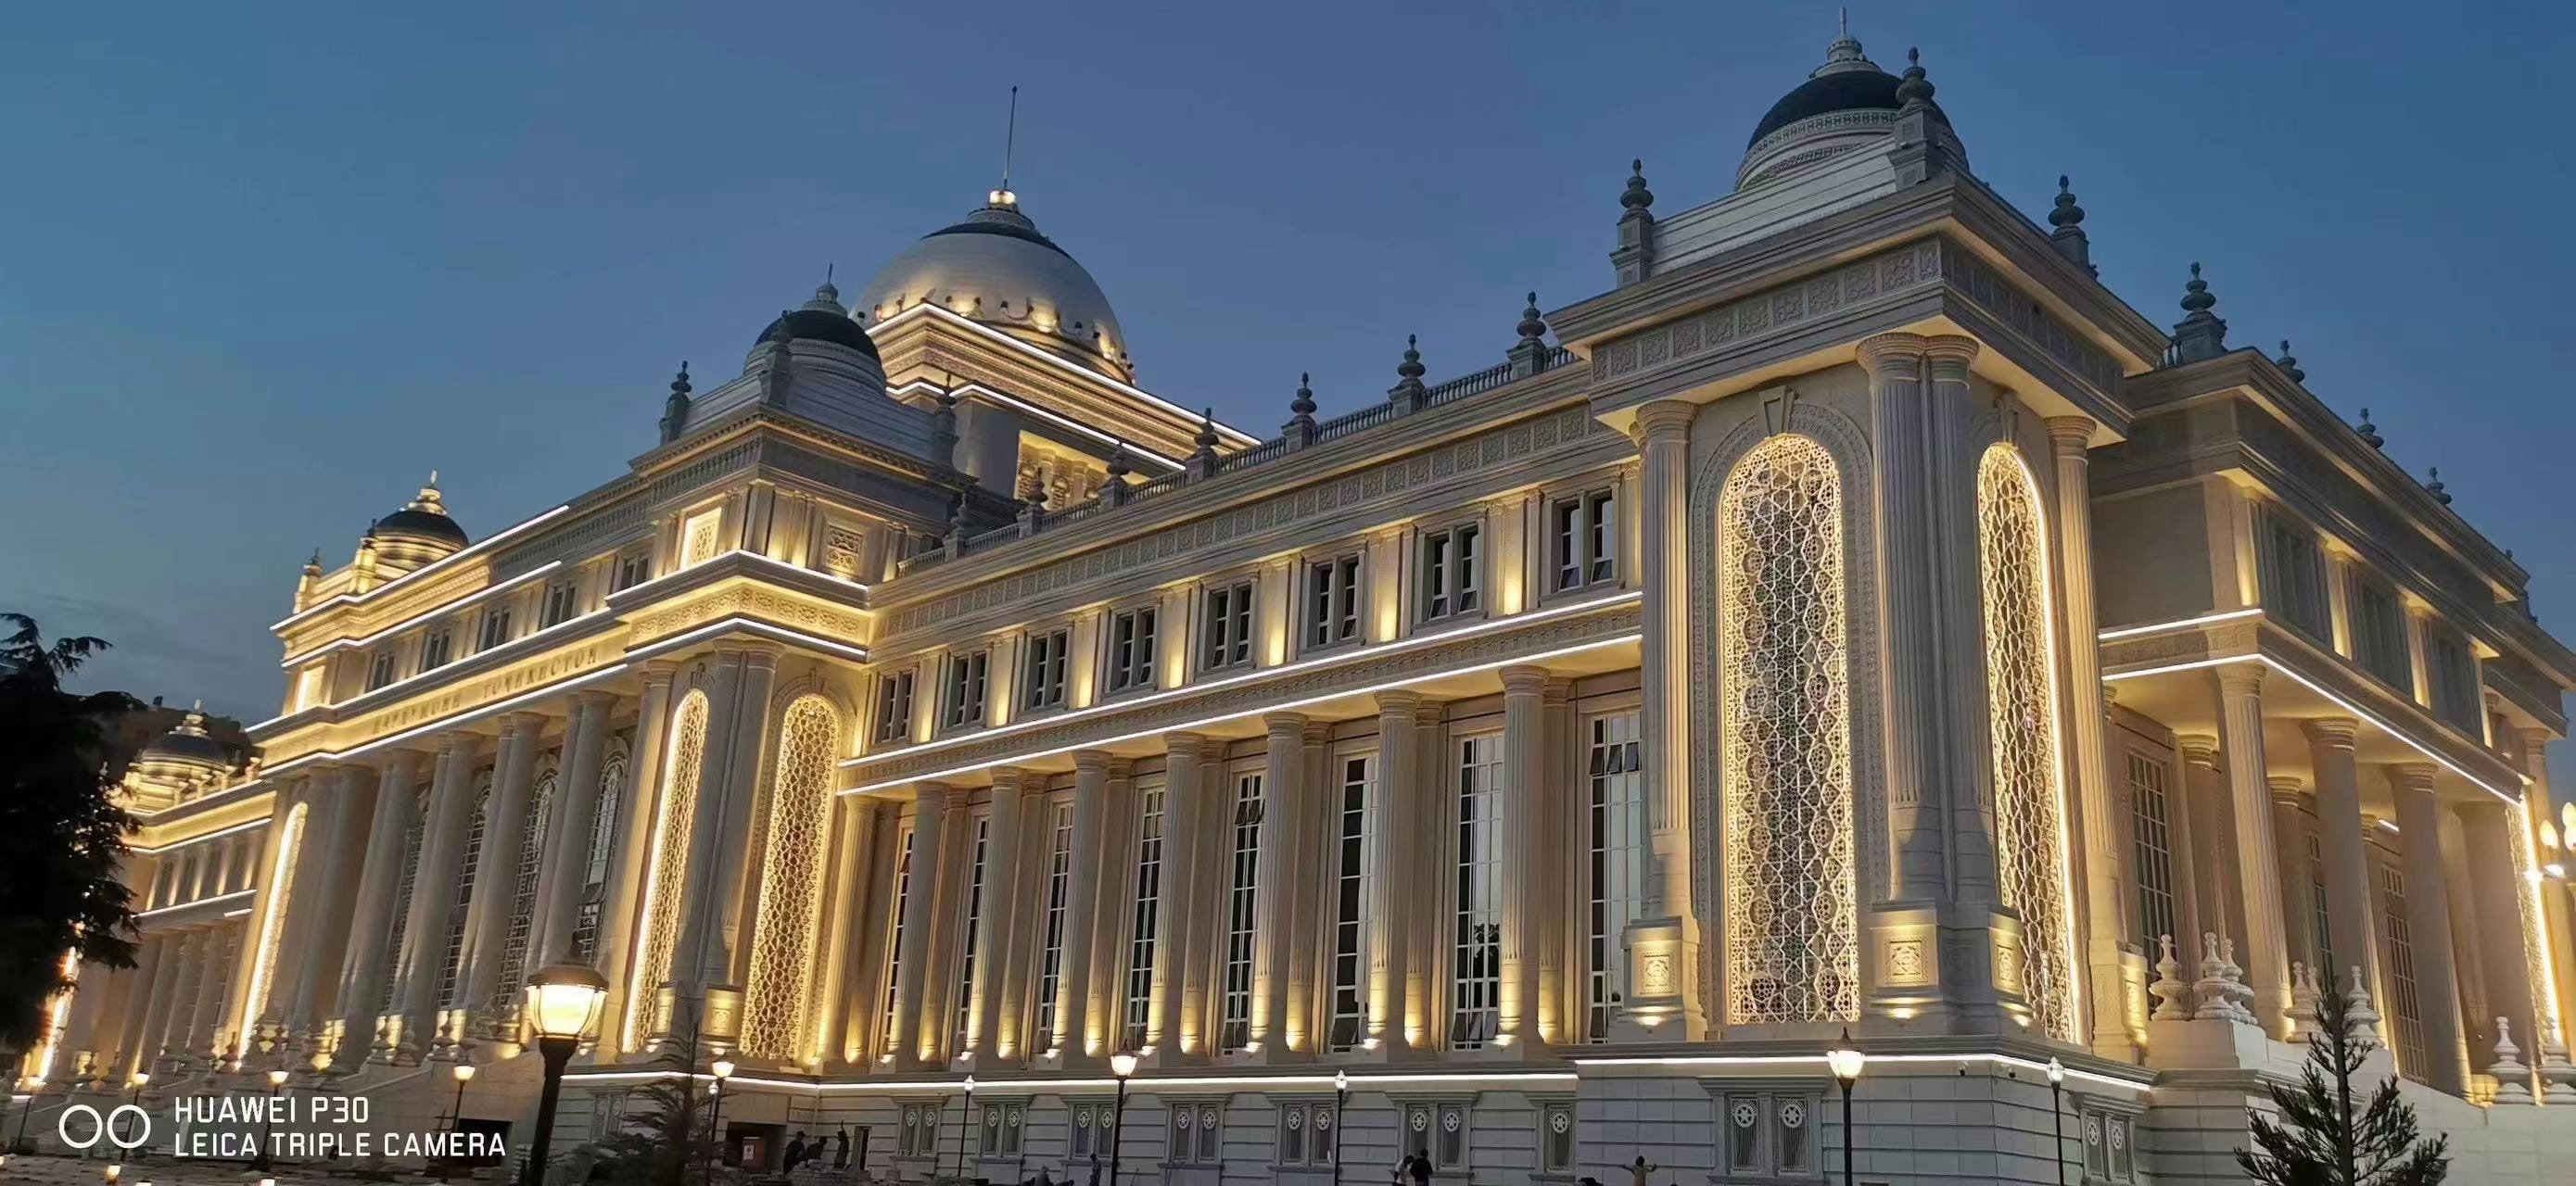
x=748, y=601
x=1771, y=311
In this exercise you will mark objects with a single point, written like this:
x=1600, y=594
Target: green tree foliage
x=2320, y=1140
x=61, y=833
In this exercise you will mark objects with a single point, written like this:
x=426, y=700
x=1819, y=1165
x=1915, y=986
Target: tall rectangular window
x=2151, y=819
x=634, y=570
x=563, y=600
x=964, y=696
x=1450, y=584
x=496, y=628
x=2293, y=570
x=1235, y=1016
x=2454, y=672
x=894, y=706
x=887, y=1039
x=1333, y=601
x=2398, y=940
x=1476, y=967
x=1131, y=649
x=2379, y=633
x=1585, y=528
x=1227, y=632
x=974, y=925
x=1354, y=899
x=1145, y=930
x=380, y=669
x=1051, y=949
x=435, y=647
x=1615, y=807
x=1042, y=673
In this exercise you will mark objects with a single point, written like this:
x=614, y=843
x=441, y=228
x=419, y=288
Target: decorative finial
x=680, y=382
x=1206, y=438
x=1637, y=197
x=1844, y=53
x=2290, y=364
x=2195, y=297
x=313, y=563
x=2369, y=431
x=2200, y=334
x=1531, y=327
x=1303, y=406
x=2069, y=236
x=2433, y=486
x=1916, y=88
x=1411, y=369
x=428, y=499
x=433, y=479
x=2067, y=213
x=827, y=296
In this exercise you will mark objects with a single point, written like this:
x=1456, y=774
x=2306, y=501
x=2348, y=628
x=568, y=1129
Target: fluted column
x=363, y=967
x=2265, y=954
x=2349, y=903
x=1388, y=855
x=2070, y=438
x=920, y=916
x=1949, y=494
x=1278, y=868
x=148, y=1002
x=2558, y=935
x=442, y=853
x=205, y=1013
x=1895, y=366
x=2487, y=826
x=272, y=846
x=2290, y=859
x=341, y=849
x=2214, y=870
x=1000, y=1031
x=1075, y=1027
x=84, y=1025
x=1169, y=1027
x=496, y=874
x=845, y=921
x=1666, y=933
x=727, y=921
x=639, y=806
x=2428, y=925
x=688, y=945
x=565, y=868
x=1317, y=819
x=299, y=917
x=1564, y=927
x=166, y=1026
x=1524, y=846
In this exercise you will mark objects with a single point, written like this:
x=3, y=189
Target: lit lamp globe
x=564, y=1001
x=1122, y=1064
x=464, y=1072
x=277, y=1077
x=1845, y=1060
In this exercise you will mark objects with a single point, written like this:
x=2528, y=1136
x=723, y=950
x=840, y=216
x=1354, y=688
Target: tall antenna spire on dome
x=1845, y=52
x=1010, y=141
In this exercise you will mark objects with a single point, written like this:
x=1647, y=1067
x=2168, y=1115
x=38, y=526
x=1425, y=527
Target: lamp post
x=723, y=1069
x=1341, y=1095
x=136, y=1081
x=1846, y=1061
x=563, y=1002
x=463, y=1072
x=30, y=1085
x=2057, y=1117
x=965, y=1125
x=1121, y=1064
x=268, y=1117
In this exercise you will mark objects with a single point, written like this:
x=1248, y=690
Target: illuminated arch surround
x=272, y=921
x=1792, y=914
x=657, y=918
x=779, y=992
x=2031, y=860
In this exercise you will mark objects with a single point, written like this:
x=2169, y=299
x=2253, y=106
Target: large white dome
x=998, y=270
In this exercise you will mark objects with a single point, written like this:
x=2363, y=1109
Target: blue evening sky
x=262, y=267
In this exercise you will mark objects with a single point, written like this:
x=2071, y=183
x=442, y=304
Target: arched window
x=1792, y=947
x=603, y=851
x=2021, y=705
x=478, y=825
x=272, y=921
x=657, y=919
x=791, y=887
x=512, y=985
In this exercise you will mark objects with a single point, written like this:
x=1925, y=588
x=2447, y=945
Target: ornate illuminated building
x=1861, y=620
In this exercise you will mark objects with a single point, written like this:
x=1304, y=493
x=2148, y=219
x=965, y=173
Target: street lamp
x=1121, y=1064
x=463, y=1072
x=136, y=1080
x=268, y=1117
x=1846, y=1062
x=563, y=1001
x=30, y=1085
x=1341, y=1095
x=723, y=1069
x=965, y=1125
x=2057, y=1117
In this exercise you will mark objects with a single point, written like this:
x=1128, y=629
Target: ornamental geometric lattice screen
x=658, y=915
x=1792, y=944
x=2021, y=699
x=791, y=887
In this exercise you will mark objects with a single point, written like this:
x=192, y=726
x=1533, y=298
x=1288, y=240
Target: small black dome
x=1021, y=230
x=822, y=325
x=1841, y=90
x=422, y=524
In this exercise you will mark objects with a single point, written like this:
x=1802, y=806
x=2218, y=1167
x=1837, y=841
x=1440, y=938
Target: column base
x=1665, y=1002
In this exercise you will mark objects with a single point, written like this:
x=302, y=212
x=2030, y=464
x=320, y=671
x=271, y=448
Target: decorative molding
x=751, y=600
x=1771, y=310
x=1972, y=278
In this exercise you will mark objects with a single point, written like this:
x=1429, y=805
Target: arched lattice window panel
x=791, y=889
x=451, y=972
x=603, y=851
x=272, y=921
x=658, y=916
x=512, y=986
x=1792, y=926
x=2021, y=698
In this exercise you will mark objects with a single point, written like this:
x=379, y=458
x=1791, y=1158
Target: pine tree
x=2320, y=1139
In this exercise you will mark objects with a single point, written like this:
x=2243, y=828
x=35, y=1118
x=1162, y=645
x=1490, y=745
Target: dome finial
x=428, y=498
x=2068, y=218
x=1303, y=405
x=2369, y=431
x=1845, y=52
x=2201, y=333
x=2433, y=486
x=1636, y=197
x=2289, y=364
x=1916, y=87
x=1532, y=327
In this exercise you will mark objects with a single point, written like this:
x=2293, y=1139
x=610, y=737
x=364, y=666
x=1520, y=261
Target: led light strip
x=1398, y=647
x=471, y=599
x=750, y=626
x=958, y=1086
x=628, y=593
x=517, y=644
x=1025, y=406
x=214, y=835
x=199, y=902
x=2313, y=686
x=926, y=309
x=1220, y=718
x=2178, y=624
x=1818, y=1060
x=407, y=578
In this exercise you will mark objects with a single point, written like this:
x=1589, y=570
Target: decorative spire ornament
x=2369, y=431
x=1915, y=89
x=2069, y=237
x=1407, y=394
x=675, y=410
x=2211, y=988
x=2169, y=989
x=1636, y=198
x=1529, y=355
x=2200, y=334
x=2290, y=364
x=1203, y=456
x=1301, y=414
x=2433, y=486
x=1634, y=257
x=2513, y=1079
x=1115, y=489
x=2357, y=1009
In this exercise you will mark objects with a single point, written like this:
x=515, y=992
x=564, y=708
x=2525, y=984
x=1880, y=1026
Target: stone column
x=725, y=925
x=1075, y=1027
x=1949, y=493
x=1388, y=854
x=920, y=917
x=2265, y=951
x=845, y=921
x=2487, y=825
x=343, y=851
x=1563, y=927
x=442, y=853
x=496, y=880
x=363, y=970
x=2428, y=925
x=2069, y=438
x=2290, y=858
x=565, y=868
x=1895, y=366
x=263, y=858
x=2347, y=859
x=1202, y=989
x=83, y=1026
x=300, y=918
x=1525, y=840
x=1277, y=899
x=724, y=696
x=2210, y=816
x=2558, y=934
x=1666, y=933
x=2477, y=1021
x=1430, y=799
x=205, y=1016
x=1317, y=819
x=1169, y=1028
x=1001, y=1031
x=166, y=1030
x=156, y=961
x=639, y=807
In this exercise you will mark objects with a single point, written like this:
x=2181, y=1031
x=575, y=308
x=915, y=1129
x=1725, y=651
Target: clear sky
x=263, y=268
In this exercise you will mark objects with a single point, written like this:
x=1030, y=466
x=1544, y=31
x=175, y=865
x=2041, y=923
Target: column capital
x=1319, y=732
x=1898, y=355
x=1525, y=681
x=459, y=741
x=594, y=699
x=1091, y=761
x=2239, y=679
x=1427, y=711
x=1665, y=420
x=2198, y=749
x=2331, y=732
x=2286, y=788
x=2412, y=776
x=661, y=671
x=2071, y=436
x=1397, y=703
x=1559, y=689
x=1011, y=780
x=929, y=796
x=1285, y=727
x=1211, y=750
x=521, y=722
x=1182, y=743
x=1950, y=355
